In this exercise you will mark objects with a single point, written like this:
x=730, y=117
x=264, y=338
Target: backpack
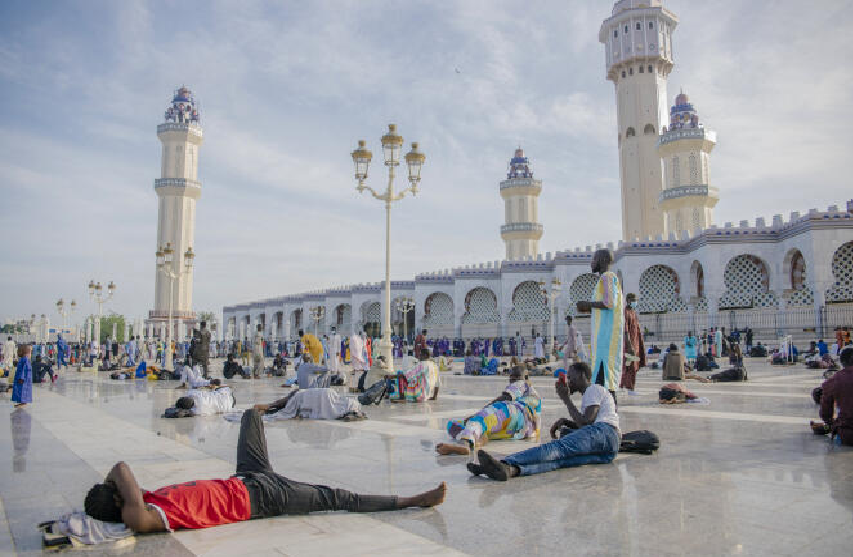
x=374, y=394
x=642, y=442
x=702, y=363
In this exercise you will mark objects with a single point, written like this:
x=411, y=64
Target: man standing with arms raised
x=607, y=324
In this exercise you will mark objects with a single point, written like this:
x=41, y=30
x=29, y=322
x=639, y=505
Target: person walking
x=22, y=390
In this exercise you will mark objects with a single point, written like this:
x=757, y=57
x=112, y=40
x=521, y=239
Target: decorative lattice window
x=842, y=272
x=747, y=282
x=582, y=289
x=481, y=306
x=296, y=319
x=705, y=177
x=697, y=219
x=528, y=303
x=660, y=290
x=702, y=304
x=694, y=170
x=372, y=312
x=438, y=310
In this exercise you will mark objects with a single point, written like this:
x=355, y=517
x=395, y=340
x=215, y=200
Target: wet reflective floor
x=740, y=475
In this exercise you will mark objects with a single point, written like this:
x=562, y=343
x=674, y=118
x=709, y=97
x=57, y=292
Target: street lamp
x=165, y=260
x=317, y=314
x=392, y=144
x=96, y=294
x=552, y=295
x=65, y=311
x=404, y=306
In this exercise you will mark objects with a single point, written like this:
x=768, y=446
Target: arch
x=660, y=290
x=582, y=289
x=630, y=132
x=747, y=283
x=697, y=280
x=343, y=316
x=481, y=306
x=438, y=310
x=296, y=321
x=649, y=129
x=371, y=318
x=842, y=274
x=529, y=303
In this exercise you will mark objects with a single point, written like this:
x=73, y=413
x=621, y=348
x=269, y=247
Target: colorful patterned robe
x=421, y=381
x=518, y=418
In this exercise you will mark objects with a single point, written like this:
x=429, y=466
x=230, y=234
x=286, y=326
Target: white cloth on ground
x=317, y=404
x=90, y=531
x=207, y=403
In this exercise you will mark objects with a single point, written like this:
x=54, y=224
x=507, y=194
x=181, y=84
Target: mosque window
x=630, y=132
x=623, y=73
x=651, y=69
x=641, y=69
x=651, y=25
x=676, y=172
x=638, y=26
x=694, y=170
x=649, y=129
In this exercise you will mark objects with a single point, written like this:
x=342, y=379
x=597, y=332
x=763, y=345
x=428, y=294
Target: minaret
x=688, y=200
x=177, y=191
x=520, y=192
x=637, y=42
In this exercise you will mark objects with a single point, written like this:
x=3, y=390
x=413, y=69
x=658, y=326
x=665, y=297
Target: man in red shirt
x=838, y=391
x=255, y=491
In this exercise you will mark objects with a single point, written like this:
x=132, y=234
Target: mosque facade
x=792, y=275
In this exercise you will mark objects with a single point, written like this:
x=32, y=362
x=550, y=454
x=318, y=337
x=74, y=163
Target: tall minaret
x=520, y=192
x=637, y=42
x=689, y=199
x=177, y=191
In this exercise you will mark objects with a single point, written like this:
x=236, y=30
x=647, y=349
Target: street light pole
x=405, y=305
x=165, y=259
x=96, y=294
x=317, y=314
x=391, y=146
x=65, y=311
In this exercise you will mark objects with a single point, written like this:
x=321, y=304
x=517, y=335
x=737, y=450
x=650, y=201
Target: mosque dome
x=623, y=5
x=183, y=108
x=519, y=166
x=683, y=114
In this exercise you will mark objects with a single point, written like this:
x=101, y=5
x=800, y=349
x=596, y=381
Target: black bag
x=642, y=442
x=817, y=394
x=702, y=363
x=671, y=394
x=730, y=375
x=374, y=394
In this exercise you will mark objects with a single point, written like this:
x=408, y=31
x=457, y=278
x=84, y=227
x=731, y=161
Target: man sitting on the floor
x=232, y=368
x=595, y=441
x=255, y=491
x=838, y=391
x=306, y=371
x=313, y=404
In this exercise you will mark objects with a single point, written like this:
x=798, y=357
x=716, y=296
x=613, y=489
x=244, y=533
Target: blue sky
x=287, y=88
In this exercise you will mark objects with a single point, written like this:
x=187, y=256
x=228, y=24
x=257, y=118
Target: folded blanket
x=81, y=528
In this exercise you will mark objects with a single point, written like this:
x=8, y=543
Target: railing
x=176, y=182
x=522, y=227
x=521, y=183
x=689, y=133
x=179, y=127
x=685, y=191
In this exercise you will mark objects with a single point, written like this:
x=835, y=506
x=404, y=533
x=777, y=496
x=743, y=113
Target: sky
x=287, y=88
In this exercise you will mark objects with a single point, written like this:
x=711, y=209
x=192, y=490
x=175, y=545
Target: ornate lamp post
x=165, y=260
x=551, y=295
x=65, y=311
x=391, y=146
x=96, y=294
x=404, y=306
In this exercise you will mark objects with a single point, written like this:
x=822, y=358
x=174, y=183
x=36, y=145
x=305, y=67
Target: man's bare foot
x=452, y=448
x=431, y=498
x=20, y=405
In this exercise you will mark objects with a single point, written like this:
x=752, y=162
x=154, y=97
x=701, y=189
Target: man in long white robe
x=258, y=353
x=540, y=347
x=359, y=361
x=9, y=353
x=334, y=351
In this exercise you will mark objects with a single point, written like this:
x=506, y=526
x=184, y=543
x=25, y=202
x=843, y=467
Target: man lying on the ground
x=203, y=402
x=515, y=414
x=838, y=391
x=255, y=491
x=313, y=404
x=595, y=441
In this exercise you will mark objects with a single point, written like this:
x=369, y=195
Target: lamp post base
x=386, y=349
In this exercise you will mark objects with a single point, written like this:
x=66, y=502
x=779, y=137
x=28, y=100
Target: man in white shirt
x=595, y=439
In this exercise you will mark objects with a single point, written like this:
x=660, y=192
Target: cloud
x=287, y=89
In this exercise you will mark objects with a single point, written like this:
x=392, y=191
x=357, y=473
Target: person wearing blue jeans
x=593, y=439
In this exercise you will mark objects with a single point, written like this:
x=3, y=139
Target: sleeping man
x=315, y=404
x=203, y=402
x=255, y=491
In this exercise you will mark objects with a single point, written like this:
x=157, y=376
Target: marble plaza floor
x=742, y=475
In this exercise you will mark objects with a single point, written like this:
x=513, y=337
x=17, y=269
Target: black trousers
x=273, y=495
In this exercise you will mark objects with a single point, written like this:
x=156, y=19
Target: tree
x=107, y=327
x=206, y=316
